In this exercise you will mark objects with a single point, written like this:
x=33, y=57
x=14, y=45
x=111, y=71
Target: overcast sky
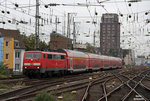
x=133, y=30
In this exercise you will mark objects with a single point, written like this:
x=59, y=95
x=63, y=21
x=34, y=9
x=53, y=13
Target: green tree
x=89, y=48
x=43, y=45
x=29, y=42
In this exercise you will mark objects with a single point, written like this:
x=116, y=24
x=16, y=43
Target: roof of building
x=13, y=34
x=58, y=34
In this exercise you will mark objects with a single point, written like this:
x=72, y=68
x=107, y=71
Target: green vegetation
x=128, y=66
x=3, y=70
x=44, y=96
x=7, y=86
x=20, y=84
x=4, y=86
x=3, y=76
x=1, y=91
x=29, y=42
x=89, y=48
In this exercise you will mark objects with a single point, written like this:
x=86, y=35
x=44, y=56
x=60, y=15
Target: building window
x=113, y=28
x=7, y=43
x=7, y=56
x=16, y=67
x=17, y=54
x=108, y=26
x=16, y=44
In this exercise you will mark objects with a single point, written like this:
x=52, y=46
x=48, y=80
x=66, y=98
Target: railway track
x=128, y=89
x=74, y=82
x=113, y=85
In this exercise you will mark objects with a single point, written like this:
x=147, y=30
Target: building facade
x=13, y=49
x=140, y=60
x=58, y=41
x=8, y=52
x=1, y=49
x=128, y=56
x=110, y=35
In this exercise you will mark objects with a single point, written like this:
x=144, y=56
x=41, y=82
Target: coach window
x=44, y=55
x=49, y=56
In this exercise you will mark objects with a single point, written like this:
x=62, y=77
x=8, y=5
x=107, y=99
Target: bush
x=44, y=96
x=3, y=68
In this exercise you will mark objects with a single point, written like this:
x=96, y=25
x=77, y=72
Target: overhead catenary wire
x=78, y=17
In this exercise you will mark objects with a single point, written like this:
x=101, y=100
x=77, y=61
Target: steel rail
x=123, y=83
x=100, y=80
x=133, y=88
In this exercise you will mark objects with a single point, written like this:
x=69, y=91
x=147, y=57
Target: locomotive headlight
x=25, y=67
x=38, y=67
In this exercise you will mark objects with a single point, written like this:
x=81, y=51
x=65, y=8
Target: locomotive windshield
x=32, y=55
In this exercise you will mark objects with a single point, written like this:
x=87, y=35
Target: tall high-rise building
x=110, y=35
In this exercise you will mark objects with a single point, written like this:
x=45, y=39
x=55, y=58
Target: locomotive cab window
x=62, y=57
x=32, y=55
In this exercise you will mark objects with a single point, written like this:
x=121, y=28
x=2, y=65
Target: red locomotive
x=37, y=63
